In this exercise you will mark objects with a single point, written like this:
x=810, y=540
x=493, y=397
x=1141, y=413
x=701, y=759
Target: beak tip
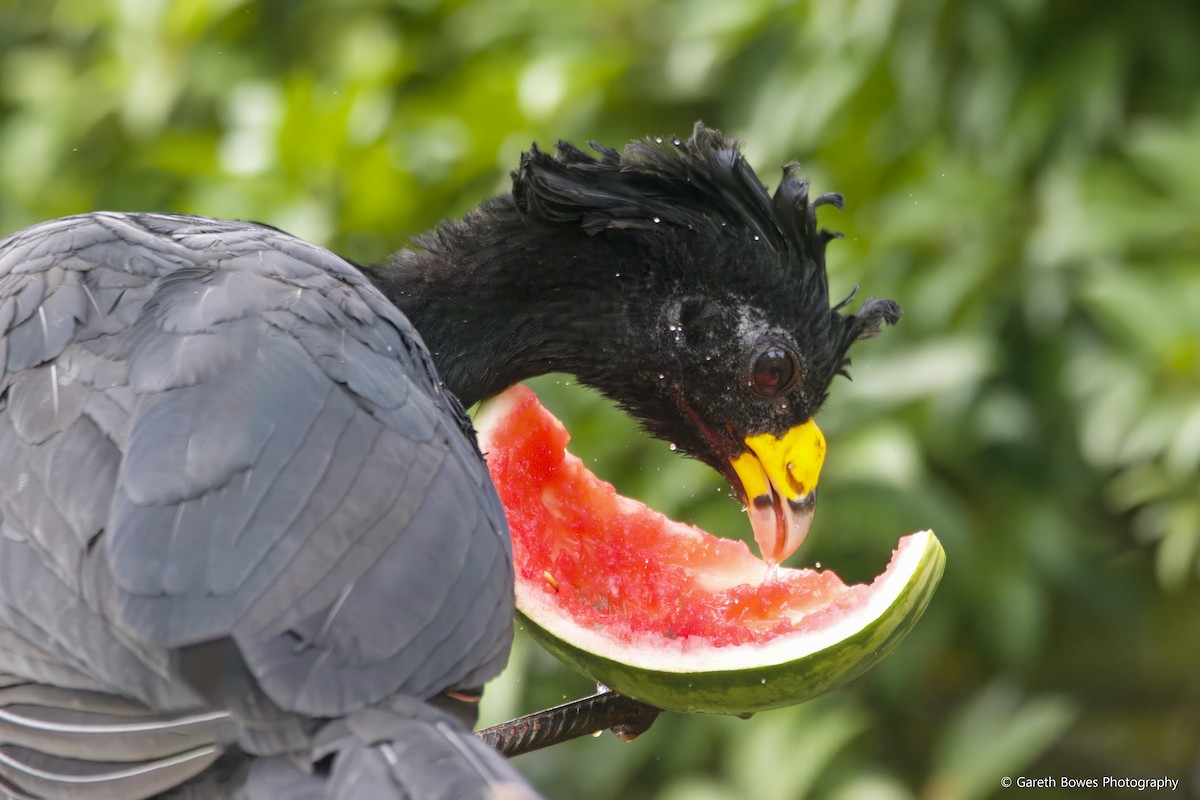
x=781, y=526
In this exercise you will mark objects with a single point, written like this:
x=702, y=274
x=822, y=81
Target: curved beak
x=779, y=479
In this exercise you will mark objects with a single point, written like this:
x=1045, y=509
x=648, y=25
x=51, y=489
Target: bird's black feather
x=705, y=186
x=595, y=258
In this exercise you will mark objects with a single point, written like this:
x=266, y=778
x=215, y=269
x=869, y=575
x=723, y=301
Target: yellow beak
x=779, y=478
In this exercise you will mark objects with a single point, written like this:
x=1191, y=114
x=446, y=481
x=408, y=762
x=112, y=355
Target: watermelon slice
x=666, y=613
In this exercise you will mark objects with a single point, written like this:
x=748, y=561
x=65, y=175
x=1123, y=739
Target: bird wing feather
x=218, y=430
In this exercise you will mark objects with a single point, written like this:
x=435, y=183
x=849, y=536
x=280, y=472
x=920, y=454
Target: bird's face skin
x=744, y=394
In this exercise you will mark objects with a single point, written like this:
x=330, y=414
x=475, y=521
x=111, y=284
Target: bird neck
x=497, y=302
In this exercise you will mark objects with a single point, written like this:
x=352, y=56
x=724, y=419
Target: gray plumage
x=238, y=516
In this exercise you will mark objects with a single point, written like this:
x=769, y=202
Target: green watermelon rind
x=769, y=685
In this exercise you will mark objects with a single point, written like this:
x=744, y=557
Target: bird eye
x=773, y=372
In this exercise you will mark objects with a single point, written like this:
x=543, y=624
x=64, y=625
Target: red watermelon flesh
x=610, y=562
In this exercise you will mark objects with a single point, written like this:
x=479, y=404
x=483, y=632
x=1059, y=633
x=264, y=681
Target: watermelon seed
x=550, y=580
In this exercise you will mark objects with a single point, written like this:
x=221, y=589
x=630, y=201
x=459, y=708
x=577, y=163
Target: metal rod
x=606, y=709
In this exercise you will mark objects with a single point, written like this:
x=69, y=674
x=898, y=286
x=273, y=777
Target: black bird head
x=725, y=343
x=668, y=278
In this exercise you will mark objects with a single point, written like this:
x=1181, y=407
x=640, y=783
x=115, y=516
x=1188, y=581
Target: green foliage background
x=1024, y=176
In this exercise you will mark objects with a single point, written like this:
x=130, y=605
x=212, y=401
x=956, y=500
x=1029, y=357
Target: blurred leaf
x=996, y=735
x=784, y=754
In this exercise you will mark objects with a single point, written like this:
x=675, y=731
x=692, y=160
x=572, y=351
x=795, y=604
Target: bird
x=248, y=542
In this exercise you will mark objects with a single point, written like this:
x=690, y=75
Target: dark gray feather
x=410, y=750
x=226, y=451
